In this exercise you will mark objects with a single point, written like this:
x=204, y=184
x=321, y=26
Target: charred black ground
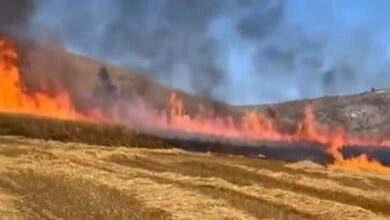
x=110, y=135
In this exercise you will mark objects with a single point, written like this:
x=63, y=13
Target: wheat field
x=53, y=180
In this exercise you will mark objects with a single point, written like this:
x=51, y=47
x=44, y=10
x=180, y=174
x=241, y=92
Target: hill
x=362, y=114
x=78, y=74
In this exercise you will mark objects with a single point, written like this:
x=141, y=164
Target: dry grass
x=53, y=180
x=243, y=177
x=64, y=198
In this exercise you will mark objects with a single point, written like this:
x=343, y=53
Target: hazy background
x=239, y=51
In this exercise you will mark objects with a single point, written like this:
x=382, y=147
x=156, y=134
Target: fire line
x=252, y=126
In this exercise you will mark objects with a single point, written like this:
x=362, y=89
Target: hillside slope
x=78, y=74
x=365, y=114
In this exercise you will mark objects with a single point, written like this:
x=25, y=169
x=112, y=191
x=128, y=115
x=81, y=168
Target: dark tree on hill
x=105, y=91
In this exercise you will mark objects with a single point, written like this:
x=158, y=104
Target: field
x=106, y=172
x=51, y=169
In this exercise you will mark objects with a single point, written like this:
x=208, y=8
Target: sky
x=238, y=51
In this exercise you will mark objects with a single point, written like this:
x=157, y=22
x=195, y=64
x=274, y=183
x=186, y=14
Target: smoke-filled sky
x=239, y=51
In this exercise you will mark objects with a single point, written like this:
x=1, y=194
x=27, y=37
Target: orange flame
x=360, y=163
x=199, y=124
x=13, y=99
x=335, y=142
x=255, y=126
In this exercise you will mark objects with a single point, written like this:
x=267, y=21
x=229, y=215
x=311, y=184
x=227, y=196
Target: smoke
x=44, y=67
x=239, y=51
x=15, y=15
x=260, y=21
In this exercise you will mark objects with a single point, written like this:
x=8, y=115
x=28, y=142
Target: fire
x=14, y=99
x=360, y=163
x=336, y=141
x=255, y=123
x=253, y=126
x=307, y=129
x=202, y=123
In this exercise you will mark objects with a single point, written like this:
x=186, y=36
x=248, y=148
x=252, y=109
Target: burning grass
x=15, y=99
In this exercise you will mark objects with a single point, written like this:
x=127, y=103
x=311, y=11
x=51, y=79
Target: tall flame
x=336, y=141
x=14, y=99
x=256, y=126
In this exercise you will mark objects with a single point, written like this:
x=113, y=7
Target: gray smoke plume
x=240, y=51
x=167, y=39
x=263, y=19
x=15, y=15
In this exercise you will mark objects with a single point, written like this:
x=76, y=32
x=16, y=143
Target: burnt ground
x=111, y=135
x=288, y=152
